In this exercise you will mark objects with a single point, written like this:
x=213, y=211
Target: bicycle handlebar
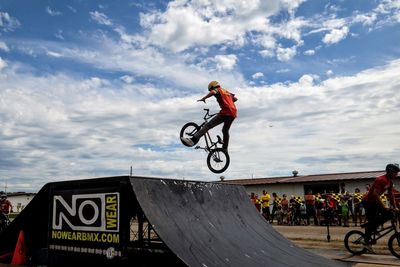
x=208, y=115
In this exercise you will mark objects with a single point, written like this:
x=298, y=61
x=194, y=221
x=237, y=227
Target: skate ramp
x=203, y=224
x=212, y=224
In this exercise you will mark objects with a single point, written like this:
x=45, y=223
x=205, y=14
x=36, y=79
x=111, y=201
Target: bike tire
x=354, y=242
x=188, y=130
x=394, y=245
x=215, y=155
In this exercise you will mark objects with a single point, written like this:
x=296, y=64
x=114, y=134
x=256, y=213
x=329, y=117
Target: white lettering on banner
x=104, y=215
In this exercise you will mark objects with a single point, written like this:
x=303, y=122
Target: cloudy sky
x=91, y=88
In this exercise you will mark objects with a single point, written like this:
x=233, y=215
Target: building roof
x=19, y=194
x=334, y=177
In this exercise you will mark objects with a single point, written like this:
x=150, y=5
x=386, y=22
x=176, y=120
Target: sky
x=97, y=88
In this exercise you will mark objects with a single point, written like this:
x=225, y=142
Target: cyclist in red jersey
x=226, y=115
x=5, y=207
x=375, y=210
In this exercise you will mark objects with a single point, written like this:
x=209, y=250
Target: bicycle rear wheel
x=394, y=244
x=218, y=160
x=354, y=242
x=188, y=130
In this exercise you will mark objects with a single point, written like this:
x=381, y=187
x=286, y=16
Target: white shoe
x=187, y=141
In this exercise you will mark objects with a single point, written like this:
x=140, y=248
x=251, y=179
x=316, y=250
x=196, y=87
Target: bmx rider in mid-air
x=227, y=114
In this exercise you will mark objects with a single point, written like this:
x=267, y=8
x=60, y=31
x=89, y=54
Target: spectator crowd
x=336, y=209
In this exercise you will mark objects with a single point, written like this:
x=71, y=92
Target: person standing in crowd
x=275, y=204
x=331, y=208
x=5, y=208
x=357, y=214
x=265, y=198
x=253, y=199
x=285, y=209
x=309, y=199
x=344, y=203
x=319, y=205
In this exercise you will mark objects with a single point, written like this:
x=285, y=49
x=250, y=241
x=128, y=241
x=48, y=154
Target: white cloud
x=96, y=127
x=309, y=52
x=8, y=23
x=73, y=10
x=4, y=47
x=225, y=62
x=365, y=19
x=3, y=64
x=257, y=75
x=53, y=12
x=285, y=54
x=292, y=29
x=267, y=53
x=127, y=79
x=187, y=24
x=336, y=35
x=307, y=80
x=59, y=35
x=100, y=18
x=54, y=54
x=329, y=73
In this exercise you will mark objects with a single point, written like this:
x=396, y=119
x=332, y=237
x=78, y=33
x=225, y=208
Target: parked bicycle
x=354, y=240
x=218, y=158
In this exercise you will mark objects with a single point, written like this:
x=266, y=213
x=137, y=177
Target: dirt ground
x=314, y=238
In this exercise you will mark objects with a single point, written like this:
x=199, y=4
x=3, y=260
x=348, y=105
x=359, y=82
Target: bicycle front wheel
x=218, y=160
x=354, y=242
x=188, y=130
x=394, y=245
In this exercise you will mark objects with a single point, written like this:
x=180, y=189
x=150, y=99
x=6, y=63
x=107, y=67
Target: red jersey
x=226, y=102
x=381, y=184
x=309, y=199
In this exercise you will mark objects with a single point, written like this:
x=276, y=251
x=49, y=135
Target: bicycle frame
x=393, y=227
x=210, y=144
x=383, y=232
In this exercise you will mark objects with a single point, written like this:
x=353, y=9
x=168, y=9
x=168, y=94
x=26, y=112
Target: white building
x=322, y=183
x=20, y=200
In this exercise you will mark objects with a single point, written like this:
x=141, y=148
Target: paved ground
x=314, y=238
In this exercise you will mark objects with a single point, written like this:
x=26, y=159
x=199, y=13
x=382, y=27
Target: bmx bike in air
x=218, y=158
x=354, y=240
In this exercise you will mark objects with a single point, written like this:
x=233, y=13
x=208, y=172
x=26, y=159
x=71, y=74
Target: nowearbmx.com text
x=86, y=236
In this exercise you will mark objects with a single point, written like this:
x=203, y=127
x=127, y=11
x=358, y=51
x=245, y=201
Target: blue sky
x=90, y=88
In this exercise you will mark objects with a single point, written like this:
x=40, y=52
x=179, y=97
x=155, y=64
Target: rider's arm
x=391, y=198
x=211, y=93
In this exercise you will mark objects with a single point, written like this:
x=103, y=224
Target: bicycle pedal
x=197, y=147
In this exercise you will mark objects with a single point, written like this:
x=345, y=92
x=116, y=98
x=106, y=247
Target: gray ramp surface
x=213, y=224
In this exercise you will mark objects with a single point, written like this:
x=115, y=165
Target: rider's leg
x=371, y=212
x=218, y=119
x=3, y=219
x=385, y=215
x=225, y=130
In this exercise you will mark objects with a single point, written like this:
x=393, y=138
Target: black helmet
x=392, y=167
